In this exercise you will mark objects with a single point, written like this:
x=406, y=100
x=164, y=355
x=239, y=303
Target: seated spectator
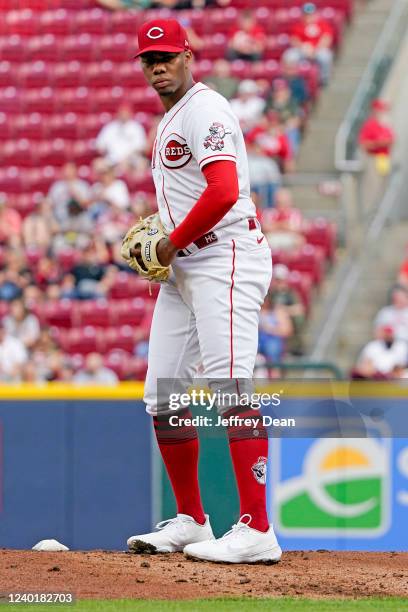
x=10, y=224
x=269, y=134
x=197, y=44
x=75, y=230
x=123, y=140
x=382, y=357
x=91, y=275
x=376, y=136
x=108, y=190
x=312, y=37
x=264, y=174
x=14, y=276
x=290, y=73
x=22, y=324
x=283, y=224
x=120, y=5
x=247, y=40
x=221, y=80
x=47, y=273
x=275, y=327
x=69, y=188
x=282, y=294
x=396, y=315
x=13, y=355
x=248, y=106
x=94, y=372
x=38, y=227
x=113, y=224
x=288, y=111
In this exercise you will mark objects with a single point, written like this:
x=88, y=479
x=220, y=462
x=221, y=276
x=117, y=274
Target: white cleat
x=239, y=545
x=172, y=535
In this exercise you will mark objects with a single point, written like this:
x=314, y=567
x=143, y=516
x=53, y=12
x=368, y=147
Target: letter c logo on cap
x=155, y=32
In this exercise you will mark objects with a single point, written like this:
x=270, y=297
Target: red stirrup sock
x=179, y=450
x=249, y=452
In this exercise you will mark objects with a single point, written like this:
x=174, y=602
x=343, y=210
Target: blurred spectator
x=38, y=227
x=47, y=272
x=221, y=80
x=264, y=174
x=282, y=294
x=108, y=190
x=246, y=41
x=75, y=230
x=10, y=224
x=94, y=372
x=275, y=327
x=403, y=272
x=13, y=354
x=395, y=315
x=69, y=188
x=113, y=225
x=123, y=140
x=197, y=44
x=290, y=73
x=269, y=134
x=120, y=5
x=22, y=324
x=312, y=37
x=283, y=224
x=248, y=106
x=14, y=276
x=92, y=277
x=376, y=136
x=382, y=356
x=288, y=111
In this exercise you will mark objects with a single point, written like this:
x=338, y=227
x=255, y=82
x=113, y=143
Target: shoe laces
x=239, y=527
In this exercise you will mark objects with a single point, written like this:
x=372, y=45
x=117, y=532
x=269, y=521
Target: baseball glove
x=146, y=235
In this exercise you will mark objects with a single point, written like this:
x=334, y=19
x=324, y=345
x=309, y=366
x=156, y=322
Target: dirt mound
x=105, y=575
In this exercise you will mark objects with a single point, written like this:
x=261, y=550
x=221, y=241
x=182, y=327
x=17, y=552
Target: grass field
x=223, y=605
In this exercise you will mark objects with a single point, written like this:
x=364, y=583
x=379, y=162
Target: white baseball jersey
x=199, y=129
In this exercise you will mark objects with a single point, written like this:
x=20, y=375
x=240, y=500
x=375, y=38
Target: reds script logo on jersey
x=175, y=152
x=215, y=141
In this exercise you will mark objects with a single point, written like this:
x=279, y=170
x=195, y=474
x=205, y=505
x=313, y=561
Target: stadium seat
x=118, y=338
x=128, y=312
x=68, y=74
x=92, y=312
x=57, y=22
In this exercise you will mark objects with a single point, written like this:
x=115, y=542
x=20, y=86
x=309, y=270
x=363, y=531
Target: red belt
x=212, y=237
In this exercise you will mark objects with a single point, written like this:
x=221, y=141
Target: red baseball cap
x=162, y=35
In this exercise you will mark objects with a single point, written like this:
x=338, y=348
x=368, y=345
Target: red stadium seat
x=126, y=21
x=119, y=361
x=116, y=48
x=45, y=47
x=94, y=21
x=13, y=48
x=39, y=101
x=128, y=312
x=108, y=100
x=92, y=312
x=10, y=180
x=32, y=126
x=38, y=180
x=68, y=74
x=308, y=260
x=119, y=338
x=6, y=128
x=57, y=22
x=64, y=126
x=130, y=75
x=58, y=314
x=18, y=153
x=22, y=22
x=80, y=340
x=8, y=76
x=10, y=101
x=100, y=74
x=67, y=258
x=34, y=74
x=76, y=100
x=81, y=47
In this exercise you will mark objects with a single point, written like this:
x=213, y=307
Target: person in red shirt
x=246, y=41
x=376, y=136
x=270, y=136
x=313, y=37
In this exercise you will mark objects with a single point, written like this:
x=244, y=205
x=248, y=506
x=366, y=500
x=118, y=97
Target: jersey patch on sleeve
x=215, y=140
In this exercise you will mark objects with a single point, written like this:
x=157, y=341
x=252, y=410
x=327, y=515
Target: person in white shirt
x=94, y=372
x=383, y=355
x=396, y=315
x=123, y=140
x=22, y=324
x=13, y=355
x=108, y=191
x=248, y=106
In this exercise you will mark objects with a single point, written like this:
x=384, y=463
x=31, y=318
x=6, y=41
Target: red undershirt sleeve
x=218, y=198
